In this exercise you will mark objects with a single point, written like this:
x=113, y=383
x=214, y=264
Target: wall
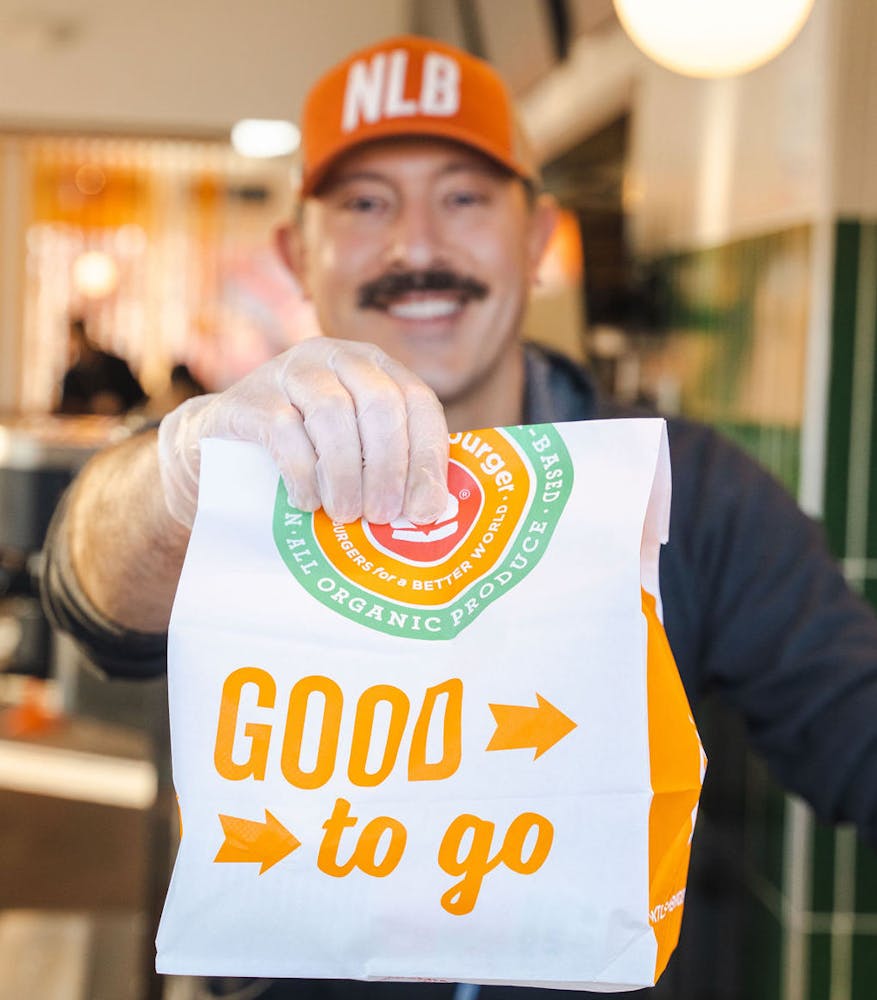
x=855, y=111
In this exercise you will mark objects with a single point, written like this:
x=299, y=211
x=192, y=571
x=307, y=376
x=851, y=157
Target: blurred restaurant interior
x=716, y=257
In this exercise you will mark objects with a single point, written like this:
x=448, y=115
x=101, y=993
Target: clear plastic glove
x=349, y=428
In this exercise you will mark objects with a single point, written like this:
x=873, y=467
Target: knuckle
x=330, y=406
x=376, y=355
x=421, y=397
x=385, y=408
x=281, y=421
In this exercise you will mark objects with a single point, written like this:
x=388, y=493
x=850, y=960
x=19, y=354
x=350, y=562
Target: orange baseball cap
x=410, y=86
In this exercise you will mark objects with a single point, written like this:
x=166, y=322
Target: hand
x=349, y=428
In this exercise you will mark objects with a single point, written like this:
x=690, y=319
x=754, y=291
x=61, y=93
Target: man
x=419, y=233
x=96, y=381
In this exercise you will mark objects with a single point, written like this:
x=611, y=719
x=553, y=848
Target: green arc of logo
x=298, y=547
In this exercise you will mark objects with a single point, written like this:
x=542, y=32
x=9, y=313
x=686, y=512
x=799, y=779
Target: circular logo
x=506, y=491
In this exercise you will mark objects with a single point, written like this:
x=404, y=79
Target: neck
x=496, y=401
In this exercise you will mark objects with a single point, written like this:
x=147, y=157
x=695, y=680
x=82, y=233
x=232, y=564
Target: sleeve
x=113, y=649
x=781, y=634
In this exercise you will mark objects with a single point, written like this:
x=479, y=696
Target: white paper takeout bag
x=458, y=751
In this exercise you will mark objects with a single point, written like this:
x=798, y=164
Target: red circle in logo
x=431, y=543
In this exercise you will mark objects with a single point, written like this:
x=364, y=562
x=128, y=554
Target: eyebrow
x=337, y=180
x=457, y=167
x=480, y=166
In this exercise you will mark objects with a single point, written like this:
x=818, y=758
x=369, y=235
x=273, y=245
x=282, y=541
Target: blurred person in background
x=96, y=381
x=418, y=236
x=182, y=385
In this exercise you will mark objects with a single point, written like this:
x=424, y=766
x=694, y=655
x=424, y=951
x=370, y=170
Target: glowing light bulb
x=712, y=38
x=95, y=274
x=265, y=137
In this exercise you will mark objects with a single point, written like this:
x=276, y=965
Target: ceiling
x=193, y=67
x=173, y=66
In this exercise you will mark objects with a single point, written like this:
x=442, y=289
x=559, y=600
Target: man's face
x=426, y=249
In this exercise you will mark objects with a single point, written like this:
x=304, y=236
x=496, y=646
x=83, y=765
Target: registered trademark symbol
x=464, y=494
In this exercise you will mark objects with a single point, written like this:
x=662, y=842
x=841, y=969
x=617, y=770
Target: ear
x=543, y=218
x=289, y=245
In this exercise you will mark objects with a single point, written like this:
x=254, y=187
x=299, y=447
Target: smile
x=425, y=308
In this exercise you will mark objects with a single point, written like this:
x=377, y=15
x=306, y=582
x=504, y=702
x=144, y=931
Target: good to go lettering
x=470, y=847
x=478, y=861
x=379, y=847
x=318, y=694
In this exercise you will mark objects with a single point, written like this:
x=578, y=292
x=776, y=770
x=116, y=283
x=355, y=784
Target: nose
x=415, y=238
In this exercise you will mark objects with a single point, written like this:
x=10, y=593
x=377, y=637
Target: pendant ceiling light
x=711, y=38
x=262, y=138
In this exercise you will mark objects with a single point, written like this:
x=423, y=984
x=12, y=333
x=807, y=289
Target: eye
x=364, y=204
x=465, y=198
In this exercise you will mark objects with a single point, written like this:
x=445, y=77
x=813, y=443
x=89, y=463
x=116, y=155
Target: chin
x=452, y=388
x=448, y=388
x=437, y=361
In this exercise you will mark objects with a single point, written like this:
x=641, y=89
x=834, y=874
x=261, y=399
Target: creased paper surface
x=410, y=751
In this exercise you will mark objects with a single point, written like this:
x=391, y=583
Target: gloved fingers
x=381, y=418
x=329, y=419
x=261, y=413
x=426, y=497
x=426, y=487
x=350, y=430
x=292, y=451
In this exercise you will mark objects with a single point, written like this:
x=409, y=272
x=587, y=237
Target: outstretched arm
x=350, y=430
x=124, y=547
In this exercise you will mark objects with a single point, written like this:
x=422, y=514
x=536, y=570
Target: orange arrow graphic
x=250, y=840
x=520, y=727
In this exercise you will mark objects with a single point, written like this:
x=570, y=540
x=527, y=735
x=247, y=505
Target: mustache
x=378, y=294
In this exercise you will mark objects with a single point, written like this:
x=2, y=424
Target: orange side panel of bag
x=677, y=766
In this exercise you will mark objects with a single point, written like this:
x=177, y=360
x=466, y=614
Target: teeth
x=423, y=309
